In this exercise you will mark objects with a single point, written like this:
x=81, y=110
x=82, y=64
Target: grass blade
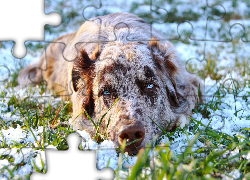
x=107, y=112
x=91, y=119
x=158, y=125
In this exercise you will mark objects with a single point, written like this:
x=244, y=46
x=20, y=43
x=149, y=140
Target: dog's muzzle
x=134, y=136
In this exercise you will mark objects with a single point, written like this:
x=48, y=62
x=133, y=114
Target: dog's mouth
x=131, y=149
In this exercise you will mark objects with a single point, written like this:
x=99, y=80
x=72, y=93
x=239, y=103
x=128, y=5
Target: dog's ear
x=166, y=61
x=81, y=67
x=193, y=90
x=164, y=56
x=82, y=80
x=183, y=93
x=178, y=103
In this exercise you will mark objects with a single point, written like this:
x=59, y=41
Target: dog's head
x=146, y=77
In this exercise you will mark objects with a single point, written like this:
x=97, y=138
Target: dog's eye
x=150, y=86
x=106, y=93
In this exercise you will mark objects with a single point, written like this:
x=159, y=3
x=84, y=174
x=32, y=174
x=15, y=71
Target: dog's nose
x=134, y=135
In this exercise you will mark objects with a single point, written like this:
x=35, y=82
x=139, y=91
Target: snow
x=226, y=120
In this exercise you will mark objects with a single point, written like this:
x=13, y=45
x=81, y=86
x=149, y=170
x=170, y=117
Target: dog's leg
x=28, y=75
x=50, y=69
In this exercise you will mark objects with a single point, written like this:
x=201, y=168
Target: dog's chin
x=132, y=151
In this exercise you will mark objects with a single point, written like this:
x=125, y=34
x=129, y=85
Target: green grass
x=34, y=113
x=98, y=136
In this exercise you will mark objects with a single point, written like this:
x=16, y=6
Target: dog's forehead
x=133, y=55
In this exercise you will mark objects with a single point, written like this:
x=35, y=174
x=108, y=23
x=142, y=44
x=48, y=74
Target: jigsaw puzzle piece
x=8, y=64
x=161, y=17
x=190, y=50
x=219, y=59
x=24, y=23
x=210, y=23
x=20, y=110
x=217, y=24
x=11, y=67
x=30, y=123
x=71, y=13
x=36, y=66
x=72, y=163
x=90, y=11
x=44, y=67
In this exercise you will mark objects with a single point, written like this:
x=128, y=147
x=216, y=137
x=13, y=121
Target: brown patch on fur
x=154, y=42
x=80, y=67
x=112, y=69
x=170, y=65
x=89, y=106
x=106, y=70
x=175, y=98
x=82, y=79
x=157, y=54
x=96, y=53
x=139, y=112
x=155, y=47
x=158, y=62
x=49, y=70
x=148, y=72
x=142, y=84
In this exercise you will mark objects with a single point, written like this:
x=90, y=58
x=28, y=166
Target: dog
x=117, y=66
